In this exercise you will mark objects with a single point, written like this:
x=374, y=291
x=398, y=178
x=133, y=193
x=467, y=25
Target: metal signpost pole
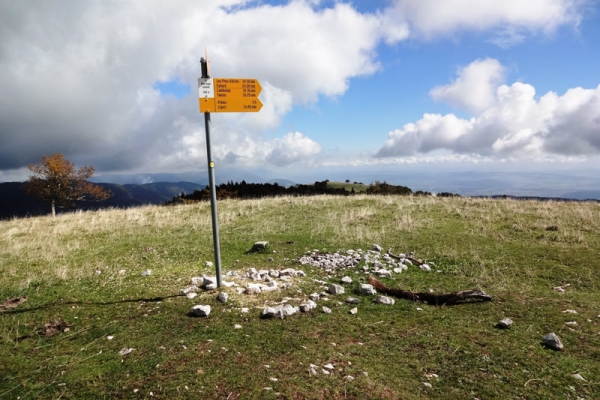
x=211, y=181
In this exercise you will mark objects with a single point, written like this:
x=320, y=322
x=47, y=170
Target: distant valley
x=14, y=202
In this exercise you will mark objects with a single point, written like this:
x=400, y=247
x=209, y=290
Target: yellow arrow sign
x=229, y=95
x=237, y=87
x=234, y=104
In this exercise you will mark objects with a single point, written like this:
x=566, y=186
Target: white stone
x=384, y=300
x=336, y=289
x=201, y=310
x=197, y=280
x=352, y=300
x=260, y=245
x=384, y=273
x=280, y=311
x=191, y=295
x=329, y=366
x=208, y=264
x=188, y=289
x=578, y=377
x=552, y=341
x=326, y=310
x=346, y=280
x=505, y=323
x=367, y=289
x=222, y=297
x=354, y=311
x=425, y=267
x=570, y=311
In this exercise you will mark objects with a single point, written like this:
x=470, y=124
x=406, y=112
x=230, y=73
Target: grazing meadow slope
x=125, y=335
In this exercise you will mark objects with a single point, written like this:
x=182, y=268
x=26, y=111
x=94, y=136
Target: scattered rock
x=223, y=297
x=197, y=281
x=208, y=264
x=346, y=280
x=201, y=310
x=191, y=295
x=377, y=248
x=280, y=311
x=579, y=377
x=353, y=311
x=570, y=311
x=384, y=300
x=147, y=272
x=552, y=341
x=336, y=289
x=189, y=289
x=425, y=267
x=352, y=300
x=505, y=323
x=326, y=310
x=367, y=289
x=125, y=350
x=209, y=282
x=260, y=245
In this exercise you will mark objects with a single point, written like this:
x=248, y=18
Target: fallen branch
x=431, y=298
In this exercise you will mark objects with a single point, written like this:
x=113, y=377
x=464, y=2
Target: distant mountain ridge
x=14, y=202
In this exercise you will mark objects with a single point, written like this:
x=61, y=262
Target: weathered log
x=448, y=299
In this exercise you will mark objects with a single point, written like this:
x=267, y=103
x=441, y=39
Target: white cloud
x=516, y=125
x=432, y=18
x=292, y=148
x=78, y=77
x=474, y=88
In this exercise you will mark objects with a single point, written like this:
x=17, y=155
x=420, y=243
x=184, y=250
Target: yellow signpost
x=222, y=95
x=229, y=95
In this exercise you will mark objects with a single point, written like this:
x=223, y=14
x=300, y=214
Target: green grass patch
x=86, y=269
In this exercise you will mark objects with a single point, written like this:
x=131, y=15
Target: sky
x=349, y=88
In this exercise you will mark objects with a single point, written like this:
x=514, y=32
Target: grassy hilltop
x=86, y=269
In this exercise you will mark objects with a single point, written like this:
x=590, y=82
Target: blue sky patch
x=175, y=88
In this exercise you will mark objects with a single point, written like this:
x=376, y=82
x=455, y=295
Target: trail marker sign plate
x=229, y=95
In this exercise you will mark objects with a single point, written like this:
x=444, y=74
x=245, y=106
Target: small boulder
x=367, y=289
x=352, y=300
x=346, y=280
x=223, y=297
x=201, y=311
x=552, y=341
x=336, y=289
x=384, y=273
x=505, y=323
x=260, y=245
x=384, y=300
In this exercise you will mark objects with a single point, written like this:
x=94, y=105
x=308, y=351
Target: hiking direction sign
x=229, y=95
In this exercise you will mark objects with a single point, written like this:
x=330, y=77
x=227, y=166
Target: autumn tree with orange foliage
x=57, y=182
